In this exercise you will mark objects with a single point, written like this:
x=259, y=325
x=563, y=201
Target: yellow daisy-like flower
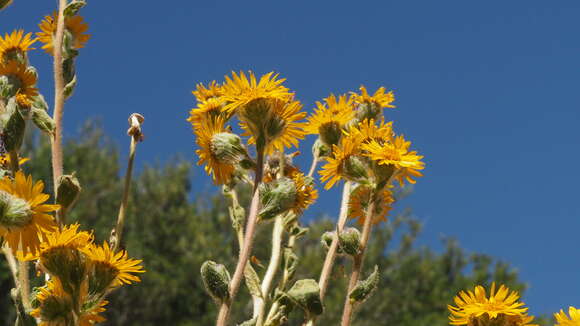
x=23, y=79
x=379, y=98
x=208, y=109
x=330, y=118
x=368, y=130
x=241, y=90
x=475, y=308
x=25, y=237
x=124, y=267
x=343, y=163
x=67, y=237
x=360, y=199
x=53, y=302
x=306, y=194
x=396, y=153
x=573, y=320
x=203, y=93
x=14, y=44
x=221, y=171
x=5, y=160
x=74, y=25
x=284, y=120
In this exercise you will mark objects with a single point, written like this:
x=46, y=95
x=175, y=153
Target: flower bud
x=277, y=197
x=228, y=147
x=4, y=4
x=364, y=289
x=73, y=7
x=14, y=212
x=216, y=280
x=68, y=191
x=326, y=239
x=330, y=133
x=320, y=150
x=43, y=121
x=13, y=133
x=349, y=241
x=306, y=294
x=40, y=103
x=355, y=169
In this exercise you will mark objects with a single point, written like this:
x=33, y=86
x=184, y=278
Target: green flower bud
x=277, y=197
x=14, y=212
x=43, y=121
x=216, y=280
x=4, y=4
x=14, y=128
x=349, y=241
x=68, y=191
x=40, y=103
x=355, y=169
x=228, y=147
x=364, y=289
x=320, y=150
x=73, y=7
x=330, y=133
x=306, y=294
x=326, y=239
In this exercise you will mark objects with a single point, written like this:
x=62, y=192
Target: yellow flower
x=396, y=154
x=241, y=90
x=25, y=238
x=5, y=160
x=14, y=44
x=74, y=25
x=221, y=171
x=203, y=93
x=379, y=98
x=330, y=118
x=91, y=316
x=475, y=308
x=67, y=237
x=208, y=109
x=124, y=267
x=367, y=131
x=23, y=79
x=360, y=200
x=306, y=194
x=563, y=320
x=344, y=163
x=285, y=131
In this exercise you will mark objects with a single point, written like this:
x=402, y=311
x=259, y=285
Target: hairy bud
x=68, y=191
x=216, y=280
x=14, y=212
x=349, y=241
x=228, y=147
x=364, y=289
x=277, y=197
x=306, y=294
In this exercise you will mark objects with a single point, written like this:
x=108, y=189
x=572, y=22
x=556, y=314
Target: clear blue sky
x=486, y=90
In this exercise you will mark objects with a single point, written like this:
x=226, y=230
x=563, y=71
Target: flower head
x=209, y=109
x=241, y=90
x=306, y=194
x=345, y=163
x=23, y=80
x=330, y=118
x=24, y=236
x=121, y=267
x=202, y=93
x=573, y=320
x=475, y=308
x=5, y=160
x=74, y=25
x=359, y=202
x=15, y=44
x=379, y=98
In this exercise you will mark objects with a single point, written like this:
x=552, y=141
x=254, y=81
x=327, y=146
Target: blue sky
x=486, y=90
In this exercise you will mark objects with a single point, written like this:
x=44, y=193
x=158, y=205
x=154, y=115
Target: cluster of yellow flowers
x=501, y=308
x=79, y=273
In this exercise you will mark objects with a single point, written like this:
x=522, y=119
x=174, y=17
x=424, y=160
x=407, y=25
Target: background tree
x=174, y=235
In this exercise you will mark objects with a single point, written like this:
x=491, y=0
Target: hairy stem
x=118, y=230
x=283, y=281
x=246, y=250
x=271, y=270
x=313, y=167
x=358, y=262
x=56, y=144
x=11, y=263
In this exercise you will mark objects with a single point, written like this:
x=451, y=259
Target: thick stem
x=260, y=307
x=56, y=144
x=313, y=167
x=283, y=282
x=225, y=307
x=358, y=263
x=11, y=263
x=117, y=233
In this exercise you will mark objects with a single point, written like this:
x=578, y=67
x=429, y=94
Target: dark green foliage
x=174, y=235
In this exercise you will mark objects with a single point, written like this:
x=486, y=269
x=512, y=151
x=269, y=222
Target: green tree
x=174, y=235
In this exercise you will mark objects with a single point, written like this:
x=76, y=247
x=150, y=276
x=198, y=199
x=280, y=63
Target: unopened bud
x=14, y=128
x=364, y=289
x=349, y=241
x=228, y=147
x=135, y=122
x=43, y=121
x=38, y=102
x=216, y=280
x=327, y=238
x=73, y=7
x=277, y=197
x=320, y=150
x=355, y=169
x=68, y=191
x=14, y=212
x=306, y=294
